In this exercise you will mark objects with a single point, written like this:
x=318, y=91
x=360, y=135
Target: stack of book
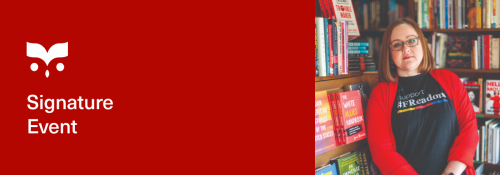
x=485, y=97
x=374, y=14
x=357, y=162
x=457, y=14
x=486, y=52
x=361, y=63
x=489, y=138
x=331, y=47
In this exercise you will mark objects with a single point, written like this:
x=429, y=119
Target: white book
x=495, y=58
x=497, y=145
x=497, y=15
x=477, y=148
x=442, y=60
x=441, y=14
x=490, y=141
x=339, y=47
x=419, y=10
x=488, y=13
x=433, y=48
x=320, y=34
x=459, y=14
x=476, y=55
x=483, y=143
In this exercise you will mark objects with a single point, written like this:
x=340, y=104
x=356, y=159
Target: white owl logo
x=38, y=51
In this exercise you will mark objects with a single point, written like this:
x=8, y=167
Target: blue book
x=446, y=14
x=335, y=54
x=357, y=51
x=330, y=170
x=357, y=48
x=364, y=44
x=327, y=48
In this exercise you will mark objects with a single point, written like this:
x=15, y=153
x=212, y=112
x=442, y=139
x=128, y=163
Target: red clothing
x=379, y=131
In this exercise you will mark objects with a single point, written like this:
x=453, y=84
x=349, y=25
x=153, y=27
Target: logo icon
x=36, y=50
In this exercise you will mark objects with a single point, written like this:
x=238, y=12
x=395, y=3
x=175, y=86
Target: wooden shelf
x=467, y=70
x=487, y=116
x=352, y=74
x=461, y=30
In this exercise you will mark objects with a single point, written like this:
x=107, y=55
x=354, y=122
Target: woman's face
x=471, y=96
x=407, y=59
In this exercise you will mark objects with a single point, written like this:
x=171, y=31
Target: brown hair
x=385, y=72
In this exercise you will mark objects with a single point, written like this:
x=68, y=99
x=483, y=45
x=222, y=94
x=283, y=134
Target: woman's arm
x=379, y=136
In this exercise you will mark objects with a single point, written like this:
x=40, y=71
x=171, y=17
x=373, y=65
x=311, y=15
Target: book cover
x=349, y=164
x=324, y=134
x=473, y=90
x=327, y=170
x=345, y=12
x=492, y=97
x=364, y=92
x=351, y=116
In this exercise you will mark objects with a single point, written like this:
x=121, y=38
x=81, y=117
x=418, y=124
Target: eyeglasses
x=397, y=46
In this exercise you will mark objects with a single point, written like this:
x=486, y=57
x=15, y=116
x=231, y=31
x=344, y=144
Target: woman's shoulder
x=445, y=75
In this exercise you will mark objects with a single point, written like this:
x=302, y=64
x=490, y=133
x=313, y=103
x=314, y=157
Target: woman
x=419, y=119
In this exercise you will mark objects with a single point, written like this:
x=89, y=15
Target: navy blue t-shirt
x=424, y=123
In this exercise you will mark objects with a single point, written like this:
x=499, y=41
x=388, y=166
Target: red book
x=486, y=52
x=330, y=41
x=350, y=112
x=335, y=118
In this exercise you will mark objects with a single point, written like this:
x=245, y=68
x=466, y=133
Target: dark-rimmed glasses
x=398, y=45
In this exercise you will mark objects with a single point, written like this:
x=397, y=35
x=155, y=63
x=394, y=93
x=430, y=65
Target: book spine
x=494, y=13
x=495, y=46
x=459, y=14
x=333, y=109
x=486, y=52
x=339, y=47
x=483, y=143
x=488, y=13
x=327, y=50
x=316, y=52
x=341, y=118
x=335, y=48
x=330, y=48
x=357, y=52
x=478, y=14
x=337, y=123
x=425, y=13
x=321, y=46
x=357, y=44
x=358, y=48
x=346, y=47
x=361, y=165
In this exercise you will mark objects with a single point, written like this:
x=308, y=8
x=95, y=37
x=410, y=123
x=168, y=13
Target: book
x=361, y=60
x=350, y=112
x=362, y=67
x=473, y=90
x=349, y=164
x=333, y=106
x=316, y=68
x=492, y=97
x=357, y=52
x=358, y=48
x=344, y=12
x=363, y=44
x=495, y=53
x=364, y=92
x=324, y=134
x=327, y=170
x=327, y=46
x=320, y=29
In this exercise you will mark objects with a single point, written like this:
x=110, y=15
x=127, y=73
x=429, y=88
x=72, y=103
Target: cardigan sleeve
x=464, y=147
x=379, y=135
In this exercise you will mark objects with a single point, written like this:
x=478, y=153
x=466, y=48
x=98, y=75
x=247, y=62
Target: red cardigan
x=379, y=129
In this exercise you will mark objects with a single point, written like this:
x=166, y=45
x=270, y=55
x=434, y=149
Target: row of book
x=457, y=14
x=339, y=117
x=331, y=47
x=481, y=52
x=485, y=97
x=374, y=14
x=488, y=149
x=358, y=162
x=361, y=64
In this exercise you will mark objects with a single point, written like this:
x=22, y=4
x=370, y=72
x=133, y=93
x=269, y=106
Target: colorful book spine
x=340, y=112
x=358, y=48
x=335, y=48
x=330, y=48
x=363, y=44
x=335, y=118
x=346, y=48
x=478, y=14
x=316, y=52
x=327, y=50
x=339, y=47
x=324, y=131
x=321, y=46
x=446, y=19
x=358, y=52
